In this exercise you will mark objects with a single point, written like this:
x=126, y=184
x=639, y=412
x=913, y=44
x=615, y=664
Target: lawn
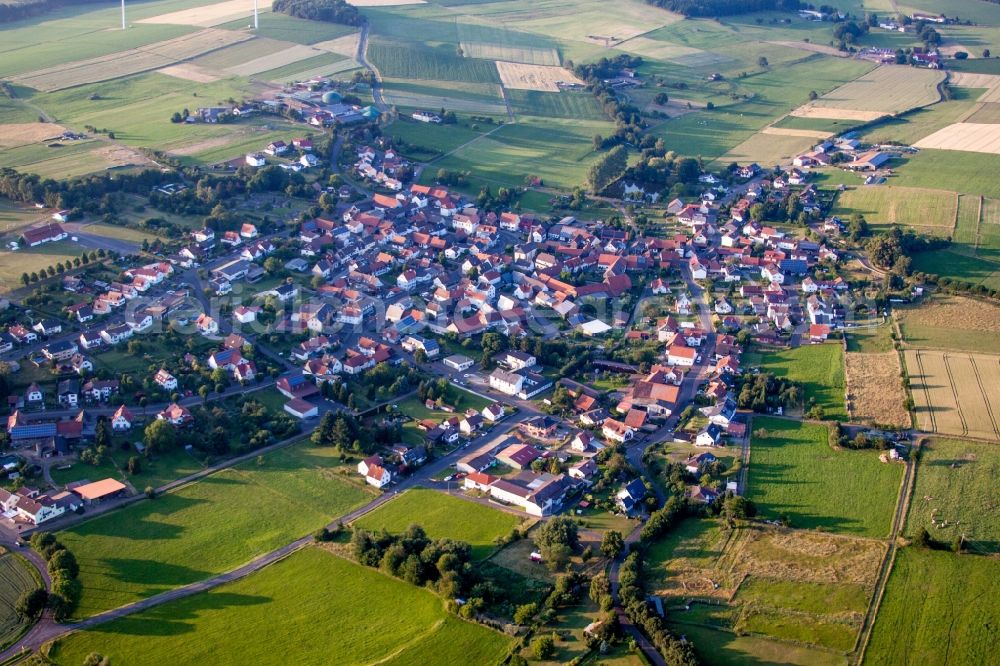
x=16, y=577
x=209, y=526
x=929, y=211
x=459, y=399
x=795, y=474
x=820, y=369
x=939, y=608
x=311, y=608
x=443, y=517
x=956, y=482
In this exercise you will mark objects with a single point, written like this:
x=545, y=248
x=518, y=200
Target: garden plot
x=209, y=15
x=971, y=137
x=521, y=76
x=292, y=54
x=956, y=393
x=133, y=61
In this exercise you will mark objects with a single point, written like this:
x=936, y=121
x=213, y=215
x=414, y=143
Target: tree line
x=22, y=9
x=331, y=11
x=725, y=7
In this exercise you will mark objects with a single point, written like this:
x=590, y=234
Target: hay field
x=190, y=72
x=21, y=134
x=886, y=89
x=209, y=15
x=931, y=211
x=991, y=95
x=522, y=76
x=133, y=61
x=970, y=137
x=294, y=53
x=955, y=393
x=657, y=49
x=791, y=131
x=988, y=114
x=769, y=148
x=810, y=110
x=990, y=211
x=874, y=392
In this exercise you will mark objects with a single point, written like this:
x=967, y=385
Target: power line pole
x=123, y=14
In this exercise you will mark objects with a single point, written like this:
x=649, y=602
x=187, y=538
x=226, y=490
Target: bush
x=543, y=647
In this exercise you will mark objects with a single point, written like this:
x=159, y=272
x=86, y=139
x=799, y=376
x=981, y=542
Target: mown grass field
x=424, y=140
x=29, y=259
x=820, y=369
x=794, y=473
x=209, y=526
x=276, y=25
x=939, y=608
x=16, y=577
x=956, y=483
x=952, y=170
x=915, y=125
x=727, y=649
x=557, y=151
x=443, y=516
x=888, y=89
x=410, y=61
x=311, y=608
x=929, y=211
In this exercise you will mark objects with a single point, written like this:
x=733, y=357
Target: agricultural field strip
x=888, y=89
x=956, y=393
x=968, y=137
x=875, y=393
x=294, y=53
x=209, y=15
x=133, y=61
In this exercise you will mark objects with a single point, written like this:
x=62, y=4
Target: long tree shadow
x=179, y=617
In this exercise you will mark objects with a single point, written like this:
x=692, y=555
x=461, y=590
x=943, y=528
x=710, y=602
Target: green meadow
x=311, y=608
x=795, y=474
x=209, y=526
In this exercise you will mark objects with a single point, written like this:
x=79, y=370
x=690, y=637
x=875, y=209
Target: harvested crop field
x=521, y=76
x=209, y=15
x=21, y=134
x=522, y=54
x=972, y=80
x=812, y=111
x=769, y=148
x=133, y=61
x=345, y=46
x=815, y=48
x=886, y=89
x=985, y=114
x=789, y=131
x=956, y=393
x=292, y=54
x=190, y=72
x=874, y=391
x=970, y=137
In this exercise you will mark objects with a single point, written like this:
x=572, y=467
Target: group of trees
x=84, y=259
x=764, y=391
x=627, y=117
x=557, y=540
x=443, y=564
x=63, y=570
x=331, y=11
x=607, y=169
x=633, y=599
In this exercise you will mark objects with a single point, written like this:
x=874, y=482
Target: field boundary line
x=926, y=391
x=979, y=223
